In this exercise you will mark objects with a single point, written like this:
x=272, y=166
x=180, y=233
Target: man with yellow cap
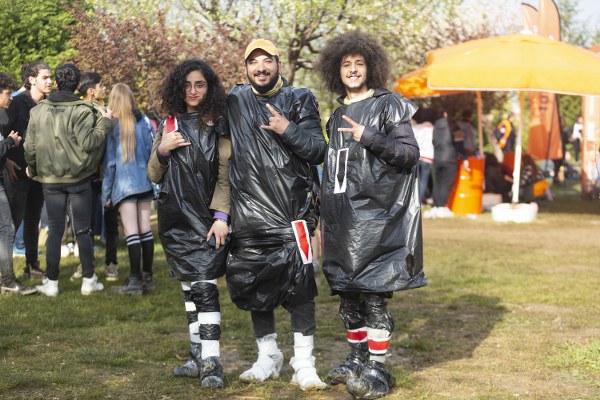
x=276, y=140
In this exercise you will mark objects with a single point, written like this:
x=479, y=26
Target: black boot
x=211, y=373
x=191, y=368
x=374, y=382
x=352, y=367
x=133, y=285
x=147, y=282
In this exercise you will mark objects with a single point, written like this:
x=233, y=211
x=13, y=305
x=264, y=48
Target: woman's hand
x=220, y=230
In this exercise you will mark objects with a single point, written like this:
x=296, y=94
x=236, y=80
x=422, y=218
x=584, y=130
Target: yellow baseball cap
x=262, y=44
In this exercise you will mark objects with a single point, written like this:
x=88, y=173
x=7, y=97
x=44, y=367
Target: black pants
x=111, y=234
x=80, y=196
x=26, y=202
x=302, y=316
x=443, y=180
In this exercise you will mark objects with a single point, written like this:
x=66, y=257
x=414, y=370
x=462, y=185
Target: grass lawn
x=512, y=311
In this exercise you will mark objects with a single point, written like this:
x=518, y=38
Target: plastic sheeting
x=372, y=226
x=184, y=216
x=271, y=186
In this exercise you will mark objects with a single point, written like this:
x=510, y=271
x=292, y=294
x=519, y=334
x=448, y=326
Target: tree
x=140, y=51
x=34, y=31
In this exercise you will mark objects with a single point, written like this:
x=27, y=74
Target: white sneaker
x=431, y=213
x=90, y=285
x=444, y=212
x=48, y=287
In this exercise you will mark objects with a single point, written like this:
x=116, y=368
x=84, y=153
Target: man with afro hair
x=370, y=206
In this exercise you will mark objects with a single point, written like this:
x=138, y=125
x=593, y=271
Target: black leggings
x=80, y=197
x=302, y=316
x=358, y=310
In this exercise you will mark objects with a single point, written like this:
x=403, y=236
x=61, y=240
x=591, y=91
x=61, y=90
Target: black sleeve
x=397, y=144
x=304, y=135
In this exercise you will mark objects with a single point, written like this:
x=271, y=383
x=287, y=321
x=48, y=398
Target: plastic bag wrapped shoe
x=191, y=368
x=211, y=373
x=373, y=383
x=352, y=367
x=347, y=370
x=305, y=374
x=269, y=362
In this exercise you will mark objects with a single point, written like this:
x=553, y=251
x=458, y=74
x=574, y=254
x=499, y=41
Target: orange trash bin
x=467, y=193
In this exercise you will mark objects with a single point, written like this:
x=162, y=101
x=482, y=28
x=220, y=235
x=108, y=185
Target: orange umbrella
x=515, y=62
x=414, y=85
x=519, y=62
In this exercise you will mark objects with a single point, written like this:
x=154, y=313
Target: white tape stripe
x=213, y=281
x=190, y=306
x=186, y=286
x=209, y=318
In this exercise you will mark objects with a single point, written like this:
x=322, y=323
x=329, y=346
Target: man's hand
x=106, y=113
x=171, y=141
x=277, y=123
x=220, y=230
x=15, y=136
x=12, y=168
x=355, y=128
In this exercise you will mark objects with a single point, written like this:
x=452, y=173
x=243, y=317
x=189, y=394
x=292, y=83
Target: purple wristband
x=221, y=215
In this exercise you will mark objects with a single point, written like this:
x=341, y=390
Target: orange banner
x=590, y=145
x=544, y=128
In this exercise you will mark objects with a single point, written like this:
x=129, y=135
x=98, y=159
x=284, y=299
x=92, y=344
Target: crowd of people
x=237, y=194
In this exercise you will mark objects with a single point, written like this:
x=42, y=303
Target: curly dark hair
x=7, y=82
x=353, y=42
x=67, y=77
x=173, y=92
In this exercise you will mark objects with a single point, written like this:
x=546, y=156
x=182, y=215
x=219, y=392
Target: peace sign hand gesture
x=355, y=128
x=277, y=122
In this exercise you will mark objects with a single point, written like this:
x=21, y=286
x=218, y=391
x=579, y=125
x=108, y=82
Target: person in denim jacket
x=127, y=187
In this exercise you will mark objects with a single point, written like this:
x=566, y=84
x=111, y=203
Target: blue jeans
x=7, y=234
x=80, y=196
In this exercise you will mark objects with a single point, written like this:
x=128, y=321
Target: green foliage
x=33, y=31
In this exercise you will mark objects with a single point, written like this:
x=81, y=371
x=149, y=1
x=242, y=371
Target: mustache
x=265, y=72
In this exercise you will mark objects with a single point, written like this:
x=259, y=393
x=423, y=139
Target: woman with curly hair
x=370, y=207
x=190, y=161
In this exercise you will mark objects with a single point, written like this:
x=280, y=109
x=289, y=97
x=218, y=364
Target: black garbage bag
x=272, y=186
x=184, y=215
x=370, y=209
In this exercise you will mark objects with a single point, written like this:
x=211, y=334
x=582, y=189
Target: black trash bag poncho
x=184, y=215
x=372, y=228
x=271, y=186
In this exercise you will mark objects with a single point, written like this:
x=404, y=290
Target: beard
x=266, y=87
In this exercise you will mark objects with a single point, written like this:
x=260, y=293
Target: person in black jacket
x=190, y=161
x=276, y=139
x=9, y=283
x=370, y=209
x=24, y=194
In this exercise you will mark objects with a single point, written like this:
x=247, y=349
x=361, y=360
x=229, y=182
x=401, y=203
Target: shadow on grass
x=437, y=332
